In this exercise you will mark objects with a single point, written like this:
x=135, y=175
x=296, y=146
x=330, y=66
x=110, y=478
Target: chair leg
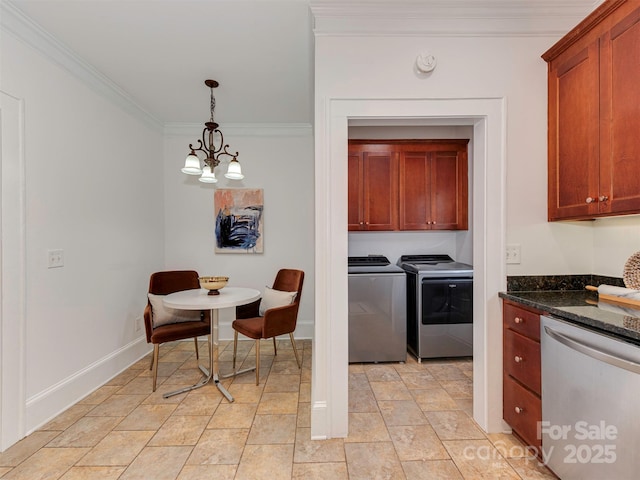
x=295, y=350
x=156, y=351
x=275, y=349
x=151, y=364
x=195, y=341
x=258, y=362
x=235, y=348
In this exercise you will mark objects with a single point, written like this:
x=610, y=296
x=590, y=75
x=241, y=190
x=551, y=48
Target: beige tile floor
x=406, y=421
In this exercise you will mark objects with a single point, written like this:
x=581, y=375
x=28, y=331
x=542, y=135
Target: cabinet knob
x=517, y=320
x=603, y=198
x=591, y=200
x=518, y=359
x=519, y=410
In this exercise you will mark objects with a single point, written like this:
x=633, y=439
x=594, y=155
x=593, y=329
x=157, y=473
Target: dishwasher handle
x=593, y=352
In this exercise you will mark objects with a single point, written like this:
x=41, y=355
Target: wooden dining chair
x=167, y=325
x=276, y=313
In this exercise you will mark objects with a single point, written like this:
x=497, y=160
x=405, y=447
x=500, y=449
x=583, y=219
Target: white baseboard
x=46, y=405
x=319, y=420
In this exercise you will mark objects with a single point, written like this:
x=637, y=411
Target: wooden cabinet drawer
x=522, y=410
x=522, y=359
x=523, y=321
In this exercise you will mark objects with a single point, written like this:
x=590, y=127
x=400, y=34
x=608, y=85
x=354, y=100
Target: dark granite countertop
x=583, y=308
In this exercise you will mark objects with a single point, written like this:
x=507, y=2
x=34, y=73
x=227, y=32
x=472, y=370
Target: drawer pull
x=519, y=410
x=518, y=359
x=518, y=320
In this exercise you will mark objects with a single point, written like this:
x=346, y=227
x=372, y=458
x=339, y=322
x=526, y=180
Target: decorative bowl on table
x=213, y=284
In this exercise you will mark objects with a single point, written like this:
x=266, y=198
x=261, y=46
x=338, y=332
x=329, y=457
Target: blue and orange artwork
x=238, y=226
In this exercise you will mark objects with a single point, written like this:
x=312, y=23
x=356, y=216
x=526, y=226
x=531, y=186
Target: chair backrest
x=164, y=283
x=289, y=280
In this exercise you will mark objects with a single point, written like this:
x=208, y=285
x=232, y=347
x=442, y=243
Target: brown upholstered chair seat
x=249, y=327
x=180, y=331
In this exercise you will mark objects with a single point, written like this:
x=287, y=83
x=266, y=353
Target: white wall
x=615, y=240
x=280, y=163
x=93, y=177
x=381, y=67
x=509, y=67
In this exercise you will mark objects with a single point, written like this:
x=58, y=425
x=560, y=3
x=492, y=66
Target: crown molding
x=13, y=21
x=243, y=129
x=448, y=17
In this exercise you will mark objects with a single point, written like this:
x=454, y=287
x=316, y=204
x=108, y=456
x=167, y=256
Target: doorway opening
x=486, y=118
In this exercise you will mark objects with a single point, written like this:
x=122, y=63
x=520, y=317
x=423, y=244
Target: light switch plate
x=513, y=254
x=55, y=258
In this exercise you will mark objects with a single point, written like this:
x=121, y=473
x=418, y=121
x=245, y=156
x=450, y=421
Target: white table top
x=199, y=299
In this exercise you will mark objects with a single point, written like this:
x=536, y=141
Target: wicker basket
x=631, y=274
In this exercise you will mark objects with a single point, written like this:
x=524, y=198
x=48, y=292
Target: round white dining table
x=199, y=299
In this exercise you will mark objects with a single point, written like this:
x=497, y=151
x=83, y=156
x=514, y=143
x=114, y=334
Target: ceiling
x=159, y=52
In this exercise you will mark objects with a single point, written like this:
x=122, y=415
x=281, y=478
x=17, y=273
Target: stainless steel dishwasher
x=590, y=420
x=377, y=310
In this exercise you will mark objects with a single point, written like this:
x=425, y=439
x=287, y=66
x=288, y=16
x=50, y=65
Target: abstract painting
x=238, y=220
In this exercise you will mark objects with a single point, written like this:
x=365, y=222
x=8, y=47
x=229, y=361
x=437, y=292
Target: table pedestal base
x=239, y=372
x=212, y=373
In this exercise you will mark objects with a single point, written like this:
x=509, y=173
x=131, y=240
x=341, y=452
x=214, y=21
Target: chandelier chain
x=213, y=104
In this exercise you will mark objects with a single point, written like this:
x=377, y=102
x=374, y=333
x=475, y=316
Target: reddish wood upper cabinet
x=434, y=186
x=373, y=187
x=408, y=185
x=594, y=115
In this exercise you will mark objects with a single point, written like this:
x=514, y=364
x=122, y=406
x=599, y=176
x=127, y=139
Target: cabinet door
x=573, y=112
x=415, y=190
x=434, y=186
x=380, y=187
x=620, y=122
x=449, y=186
x=356, y=191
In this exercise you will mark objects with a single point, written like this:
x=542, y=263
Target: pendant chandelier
x=192, y=165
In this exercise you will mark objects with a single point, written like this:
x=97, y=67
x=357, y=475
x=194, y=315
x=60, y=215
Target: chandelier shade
x=192, y=165
x=234, y=172
x=212, y=153
x=207, y=175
